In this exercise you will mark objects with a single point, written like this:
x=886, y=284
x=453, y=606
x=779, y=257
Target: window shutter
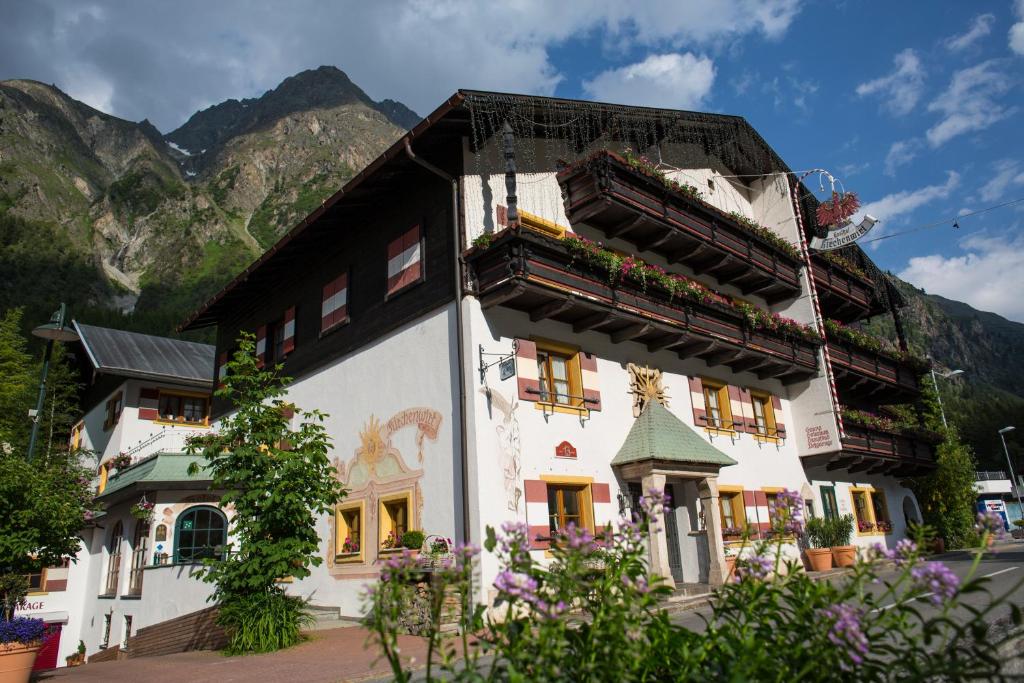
x=405, y=262
x=149, y=404
x=537, y=519
x=601, y=497
x=289, y=330
x=749, y=422
x=527, y=375
x=777, y=409
x=261, y=345
x=589, y=380
x=502, y=212
x=700, y=417
x=222, y=368
x=334, y=305
x=756, y=509
x=739, y=420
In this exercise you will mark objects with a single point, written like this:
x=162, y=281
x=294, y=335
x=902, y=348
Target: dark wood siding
x=358, y=242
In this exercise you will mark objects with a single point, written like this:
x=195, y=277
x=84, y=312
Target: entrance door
x=675, y=560
x=47, y=656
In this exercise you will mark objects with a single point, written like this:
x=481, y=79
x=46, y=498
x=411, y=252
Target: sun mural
x=645, y=384
x=377, y=471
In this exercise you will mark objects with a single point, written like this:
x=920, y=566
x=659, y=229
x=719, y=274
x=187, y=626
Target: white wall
x=895, y=497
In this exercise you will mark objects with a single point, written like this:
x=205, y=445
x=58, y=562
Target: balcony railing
x=871, y=451
x=606, y=193
x=865, y=374
x=537, y=274
x=844, y=296
x=990, y=476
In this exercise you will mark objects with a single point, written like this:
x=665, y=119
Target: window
x=718, y=414
x=37, y=581
x=76, y=436
x=114, y=407
x=881, y=511
x=862, y=511
x=114, y=560
x=764, y=415
x=140, y=548
x=405, y=262
x=734, y=517
x=127, y=631
x=558, y=370
x=568, y=504
x=200, y=532
x=395, y=519
x=828, y=502
x=334, y=304
x=183, y=408
x=348, y=545
x=107, y=620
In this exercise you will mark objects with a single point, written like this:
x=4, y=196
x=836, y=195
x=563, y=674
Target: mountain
x=148, y=226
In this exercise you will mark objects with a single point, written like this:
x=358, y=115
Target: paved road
x=1004, y=566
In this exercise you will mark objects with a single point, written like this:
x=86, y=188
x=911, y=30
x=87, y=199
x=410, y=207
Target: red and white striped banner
x=405, y=263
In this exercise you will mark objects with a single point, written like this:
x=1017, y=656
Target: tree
x=278, y=480
x=16, y=381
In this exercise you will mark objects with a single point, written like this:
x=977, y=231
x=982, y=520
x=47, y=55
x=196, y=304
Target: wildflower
x=753, y=567
x=846, y=631
x=654, y=502
x=937, y=580
x=515, y=539
x=991, y=523
x=905, y=552
x=517, y=585
x=578, y=538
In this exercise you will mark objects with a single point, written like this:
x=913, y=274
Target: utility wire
x=945, y=221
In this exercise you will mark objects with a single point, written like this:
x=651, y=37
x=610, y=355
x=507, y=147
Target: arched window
x=200, y=532
x=114, y=559
x=140, y=548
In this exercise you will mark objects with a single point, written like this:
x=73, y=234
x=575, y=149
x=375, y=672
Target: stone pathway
x=342, y=654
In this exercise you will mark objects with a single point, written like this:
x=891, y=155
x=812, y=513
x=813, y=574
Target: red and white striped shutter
x=589, y=380
x=261, y=345
x=601, y=497
x=222, y=368
x=739, y=420
x=405, y=261
x=780, y=426
x=537, y=519
x=756, y=508
x=749, y=420
x=288, y=344
x=149, y=404
x=527, y=374
x=700, y=417
x=334, y=306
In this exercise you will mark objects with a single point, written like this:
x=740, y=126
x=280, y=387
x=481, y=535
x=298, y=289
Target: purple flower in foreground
x=753, y=567
x=845, y=630
x=517, y=585
x=653, y=503
x=515, y=539
x=991, y=523
x=905, y=552
x=935, y=579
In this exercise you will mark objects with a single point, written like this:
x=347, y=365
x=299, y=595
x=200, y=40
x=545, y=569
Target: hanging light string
x=945, y=221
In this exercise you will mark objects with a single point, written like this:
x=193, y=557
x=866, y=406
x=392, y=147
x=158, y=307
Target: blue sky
x=917, y=106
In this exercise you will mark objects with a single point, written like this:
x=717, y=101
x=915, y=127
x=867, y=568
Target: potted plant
x=20, y=640
x=349, y=547
x=120, y=461
x=819, y=540
x=865, y=527
x=730, y=562
x=390, y=541
x=731, y=533
x=413, y=540
x=843, y=554
x=77, y=659
x=884, y=527
x=143, y=510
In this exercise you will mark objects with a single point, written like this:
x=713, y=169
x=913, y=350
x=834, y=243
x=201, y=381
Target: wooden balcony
x=873, y=451
x=537, y=274
x=604, y=192
x=872, y=376
x=843, y=295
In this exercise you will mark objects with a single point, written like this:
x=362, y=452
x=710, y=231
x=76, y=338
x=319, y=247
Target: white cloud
x=1007, y=174
x=893, y=206
x=154, y=60
x=970, y=102
x=902, y=88
x=989, y=276
x=980, y=27
x=678, y=81
x=1017, y=30
x=850, y=170
x=901, y=153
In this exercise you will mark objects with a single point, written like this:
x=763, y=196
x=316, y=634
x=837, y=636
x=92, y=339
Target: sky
x=915, y=105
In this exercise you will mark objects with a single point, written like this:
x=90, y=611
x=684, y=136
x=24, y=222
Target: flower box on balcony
x=633, y=203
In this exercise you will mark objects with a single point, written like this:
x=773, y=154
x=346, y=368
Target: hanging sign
x=506, y=368
x=565, y=450
x=846, y=235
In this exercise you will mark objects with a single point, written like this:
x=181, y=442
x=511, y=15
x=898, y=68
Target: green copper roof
x=162, y=468
x=659, y=435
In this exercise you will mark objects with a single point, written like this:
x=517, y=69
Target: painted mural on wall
x=509, y=447
x=379, y=469
x=645, y=384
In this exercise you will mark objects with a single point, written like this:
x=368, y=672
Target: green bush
x=263, y=622
x=1019, y=523
x=819, y=533
x=413, y=540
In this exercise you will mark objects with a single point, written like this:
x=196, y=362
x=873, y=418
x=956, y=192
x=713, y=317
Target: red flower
x=836, y=210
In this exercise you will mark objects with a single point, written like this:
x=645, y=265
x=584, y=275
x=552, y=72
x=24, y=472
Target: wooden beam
x=624, y=227
x=501, y=296
x=772, y=370
x=862, y=466
x=696, y=346
x=667, y=342
x=842, y=463
x=688, y=251
x=591, y=322
x=655, y=242
x=719, y=357
x=630, y=332
x=745, y=364
x=552, y=308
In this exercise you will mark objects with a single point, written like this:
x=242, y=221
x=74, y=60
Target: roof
x=163, y=470
x=478, y=115
x=659, y=435
x=144, y=356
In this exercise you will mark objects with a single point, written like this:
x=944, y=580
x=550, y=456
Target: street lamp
x=1013, y=477
x=938, y=396
x=51, y=332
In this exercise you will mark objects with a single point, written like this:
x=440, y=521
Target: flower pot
x=938, y=545
x=730, y=566
x=820, y=559
x=76, y=659
x=844, y=555
x=16, y=661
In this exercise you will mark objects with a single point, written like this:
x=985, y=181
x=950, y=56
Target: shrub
x=264, y=621
x=819, y=533
x=841, y=530
x=22, y=630
x=413, y=540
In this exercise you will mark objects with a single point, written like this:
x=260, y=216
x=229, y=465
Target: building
x=143, y=397
x=482, y=358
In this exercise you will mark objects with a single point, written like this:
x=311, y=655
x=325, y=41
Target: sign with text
x=565, y=450
x=844, y=236
x=817, y=437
